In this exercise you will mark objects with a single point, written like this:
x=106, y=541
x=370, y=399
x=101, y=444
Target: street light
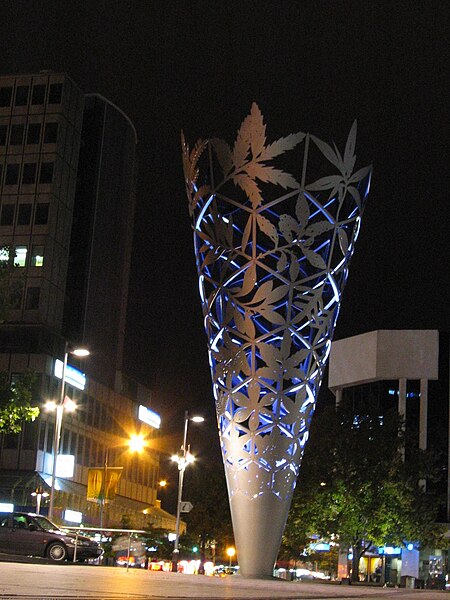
x=183, y=459
x=80, y=352
x=231, y=552
x=136, y=443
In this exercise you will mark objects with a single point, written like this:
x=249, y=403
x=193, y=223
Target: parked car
x=34, y=535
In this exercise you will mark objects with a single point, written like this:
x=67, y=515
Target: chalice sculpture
x=272, y=253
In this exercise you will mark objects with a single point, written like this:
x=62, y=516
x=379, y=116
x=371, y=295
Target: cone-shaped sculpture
x=272, y=256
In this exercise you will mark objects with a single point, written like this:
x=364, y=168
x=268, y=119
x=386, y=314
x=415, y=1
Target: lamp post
x=182, y=459
x=136, y=443
x=80, y=352
x=39, y=494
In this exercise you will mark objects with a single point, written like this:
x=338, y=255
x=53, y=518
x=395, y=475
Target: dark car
x=31, y=534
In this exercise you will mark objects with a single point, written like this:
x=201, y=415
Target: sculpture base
x=258, y=525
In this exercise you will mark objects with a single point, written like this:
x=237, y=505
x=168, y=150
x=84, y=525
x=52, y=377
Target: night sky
x=311, y=66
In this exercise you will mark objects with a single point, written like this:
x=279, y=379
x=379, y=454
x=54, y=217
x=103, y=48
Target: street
x=69, y=582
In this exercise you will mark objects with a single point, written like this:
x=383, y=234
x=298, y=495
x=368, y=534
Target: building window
x=46, y=175
x=16, y=137
x=3, y=134
x=41, y=214
x=32, y=299
x=51, y=133
x=12, y=174
x=38, y=95
x=7, y=216
x=55, y=94
x=20, y=256
x=22, y=95
x=4, y=255
x=34, y=133
x=29, y=173
x=5, y=96
x=24, y=215
x=37, y=256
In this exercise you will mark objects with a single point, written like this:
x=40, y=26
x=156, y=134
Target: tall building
x=67, y=180
x=407, y=370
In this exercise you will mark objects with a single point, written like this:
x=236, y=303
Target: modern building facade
x=67, y=177
x=409, y=370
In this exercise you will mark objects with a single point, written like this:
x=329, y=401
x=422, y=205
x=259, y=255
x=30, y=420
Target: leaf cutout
x=223, y=152
x=286, y=344
x=282, y=262
x=349, y=152
x=268, y=228
x=239, y=321
x=325, y=183
x=249, y=327
x=273, y=317
x=246, y=234
x=360, y=174
x=209, y=258
x=250, y=187
x=268, y=353
x=258, y=131
x=282, y=145
x=287, y=225
x=294, y=268
x=262, y=292
x=277, y=294
x=356, y=195
x=242, y=144
x=249, y=280
x=318, y=228
x=343, y=240
x=315, y=259
x=327, y=151
x=270, y=175
x=302, y=211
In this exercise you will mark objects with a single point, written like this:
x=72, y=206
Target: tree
x=355, y=486
x=15, y=402
x=15, y=398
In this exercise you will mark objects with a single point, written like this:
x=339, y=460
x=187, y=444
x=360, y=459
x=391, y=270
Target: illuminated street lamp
x=230, y=553
x=136, y=443
x=39, y=494
x=63, y=403
x=183, y=459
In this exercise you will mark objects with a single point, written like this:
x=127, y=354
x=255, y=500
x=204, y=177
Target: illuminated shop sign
x=390, y=550
x=65, y=465
x=73, y=516
x=149, y=417
x=73, y=376
x=6, y=507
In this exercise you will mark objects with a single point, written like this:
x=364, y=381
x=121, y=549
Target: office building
x=67, y=178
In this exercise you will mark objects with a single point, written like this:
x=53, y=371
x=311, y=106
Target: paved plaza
x=19, y=581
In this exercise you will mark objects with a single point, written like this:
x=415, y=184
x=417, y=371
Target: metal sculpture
x=272, y=257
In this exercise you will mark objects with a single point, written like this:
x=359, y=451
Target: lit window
x=4, y=255
x=20, y=258
x=37, y=256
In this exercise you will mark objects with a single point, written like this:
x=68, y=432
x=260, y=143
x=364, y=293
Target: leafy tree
x=355, y=486
x=15, y=399
x=158, y=538
x=15, y=402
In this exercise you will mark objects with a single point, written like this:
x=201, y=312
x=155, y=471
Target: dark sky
x=310, y=66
